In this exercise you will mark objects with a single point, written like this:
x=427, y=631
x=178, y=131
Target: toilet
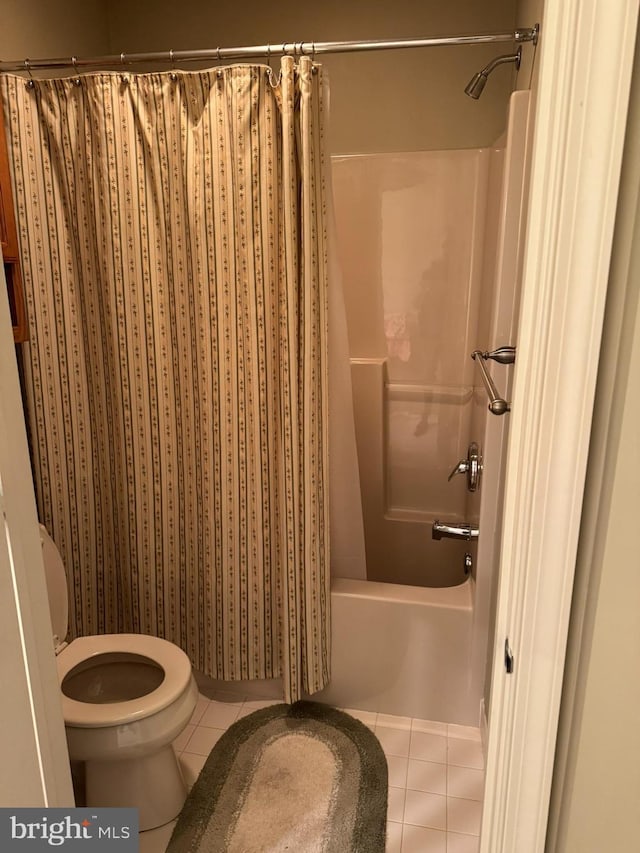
x=125, y=698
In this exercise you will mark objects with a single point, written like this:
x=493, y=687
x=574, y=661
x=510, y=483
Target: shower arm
x=500, y=60
x=475, y=86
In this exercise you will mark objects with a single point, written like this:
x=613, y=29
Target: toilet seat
x=171, y=659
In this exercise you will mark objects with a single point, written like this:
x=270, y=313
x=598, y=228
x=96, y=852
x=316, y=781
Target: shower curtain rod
x=308, y=48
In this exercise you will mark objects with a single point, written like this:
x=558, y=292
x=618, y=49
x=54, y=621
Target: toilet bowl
x=125, y=698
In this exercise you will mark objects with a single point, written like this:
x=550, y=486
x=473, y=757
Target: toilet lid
x=57, y=590
x=174, y=662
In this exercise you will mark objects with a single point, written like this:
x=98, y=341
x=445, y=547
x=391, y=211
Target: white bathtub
x=402, y=650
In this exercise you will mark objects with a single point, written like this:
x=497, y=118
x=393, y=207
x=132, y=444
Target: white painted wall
x=35, y=767
x=596, y=788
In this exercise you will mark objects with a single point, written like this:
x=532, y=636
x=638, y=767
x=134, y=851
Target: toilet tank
x=57, y=589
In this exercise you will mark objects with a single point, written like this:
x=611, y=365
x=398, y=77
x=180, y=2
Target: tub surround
x=411, y=240
x=402, y=650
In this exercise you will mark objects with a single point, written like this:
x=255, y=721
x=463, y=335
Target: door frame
x=33, y=744
x=586, y=57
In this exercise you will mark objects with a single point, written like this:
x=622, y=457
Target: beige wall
x=529, y=13
x=596, y=785
x=391, y=101
x=37, y=28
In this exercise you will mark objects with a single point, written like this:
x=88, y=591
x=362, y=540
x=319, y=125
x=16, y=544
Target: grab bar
x=503, y=355
x=497, y=405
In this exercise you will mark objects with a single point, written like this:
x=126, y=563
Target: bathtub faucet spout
x=462, y=530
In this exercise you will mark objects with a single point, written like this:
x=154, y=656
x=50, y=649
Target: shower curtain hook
x=30, y=83
x=74, y=62
x=219, y=72
x=173, y=74
x=123, y=77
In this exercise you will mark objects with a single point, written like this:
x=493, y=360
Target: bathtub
x=402, y=650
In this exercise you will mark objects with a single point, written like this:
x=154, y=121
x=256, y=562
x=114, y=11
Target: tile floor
x=436, y=775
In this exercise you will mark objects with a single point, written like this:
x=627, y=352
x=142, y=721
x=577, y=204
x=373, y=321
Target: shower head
x=477, y=83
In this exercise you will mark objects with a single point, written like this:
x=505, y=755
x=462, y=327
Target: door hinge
x=508, y=657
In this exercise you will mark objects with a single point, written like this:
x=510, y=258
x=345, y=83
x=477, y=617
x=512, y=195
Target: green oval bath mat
x=301, y=778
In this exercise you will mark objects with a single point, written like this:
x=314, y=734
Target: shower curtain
x=173, y=241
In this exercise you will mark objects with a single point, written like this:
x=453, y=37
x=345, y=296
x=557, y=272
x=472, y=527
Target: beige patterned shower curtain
x=172, y=231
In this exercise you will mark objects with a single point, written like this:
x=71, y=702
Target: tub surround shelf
x=457, y=394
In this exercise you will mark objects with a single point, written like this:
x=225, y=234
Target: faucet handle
x=471, y=466
x=461, y=468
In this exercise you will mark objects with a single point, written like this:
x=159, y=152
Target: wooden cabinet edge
x=10, y=242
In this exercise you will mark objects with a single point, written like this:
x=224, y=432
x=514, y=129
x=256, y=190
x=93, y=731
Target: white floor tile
x=181, y=741
x=220, y=715
x=397, y=767
x=203, y=740
x=191, y=765
x=457, y=843
x=427, y=776
x=394, y=838
x=465, y=753
x=436, y=778
x=252, y=705
x=395, y=805
x=201, y=705
x=465, y=782
x=428, y=747
x=463, y=816
x=418, y=839
x=423, y=809
x=393, y=741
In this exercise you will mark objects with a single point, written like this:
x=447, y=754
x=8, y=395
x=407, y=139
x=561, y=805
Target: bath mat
x=301, y=778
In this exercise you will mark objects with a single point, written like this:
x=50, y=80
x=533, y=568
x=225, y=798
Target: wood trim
x=13, y=277
x=587, y=54
x=9, y=242
x=8, y=234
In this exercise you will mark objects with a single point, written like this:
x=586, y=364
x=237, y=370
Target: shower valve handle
x=461, y=468
x=471, y=466
x=458, y=530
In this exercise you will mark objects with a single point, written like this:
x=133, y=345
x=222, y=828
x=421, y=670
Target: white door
x=586, y=56
x=35, y=764
x=501, y=329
